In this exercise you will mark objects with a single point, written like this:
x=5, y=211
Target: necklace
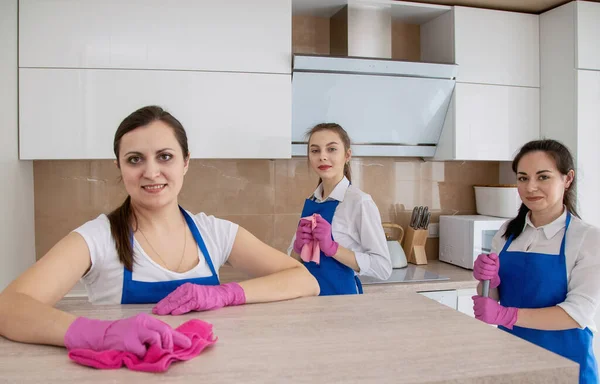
x=157, y=254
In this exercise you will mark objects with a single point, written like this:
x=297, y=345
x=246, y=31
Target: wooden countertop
x=391, y=337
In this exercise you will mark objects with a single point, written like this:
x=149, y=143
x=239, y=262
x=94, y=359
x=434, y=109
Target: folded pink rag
x=311, y=250
x=156, y=359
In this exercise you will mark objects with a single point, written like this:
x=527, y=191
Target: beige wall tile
x=264, y=196
x=310, y=34
x=229, y=187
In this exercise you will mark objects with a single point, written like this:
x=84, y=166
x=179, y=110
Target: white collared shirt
x=356, y=226
x=582, y=253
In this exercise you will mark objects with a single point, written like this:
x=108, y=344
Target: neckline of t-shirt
x=145, y=255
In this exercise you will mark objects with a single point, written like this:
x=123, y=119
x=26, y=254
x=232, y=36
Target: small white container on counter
x=497, y=200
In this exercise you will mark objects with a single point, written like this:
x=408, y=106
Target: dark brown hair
x=341, y=133
x=121, y=217
x=564, y=163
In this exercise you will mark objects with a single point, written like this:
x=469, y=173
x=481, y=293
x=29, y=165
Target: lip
x=324, y=167
x=148, y=188
x=534, y=198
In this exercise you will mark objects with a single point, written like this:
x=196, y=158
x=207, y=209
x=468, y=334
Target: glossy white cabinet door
x=493, y=122
x=588, y=35
x=448, y=298
x=497, y=47
x=588, y=138
x=74, y=113
x=228, y=35
x=464, y=301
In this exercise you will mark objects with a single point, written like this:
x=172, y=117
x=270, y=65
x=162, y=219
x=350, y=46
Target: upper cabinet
x=495, y=108
x=496, y=47
x=489, y=122
x=570, y=93
x=231, y=35
x=490, y=47
x=74, y=113
x=222, y=68
x=588, y=35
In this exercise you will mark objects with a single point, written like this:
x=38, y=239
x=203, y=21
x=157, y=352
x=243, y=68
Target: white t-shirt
x=582, y=254
x=104, y=280
x=356, y=226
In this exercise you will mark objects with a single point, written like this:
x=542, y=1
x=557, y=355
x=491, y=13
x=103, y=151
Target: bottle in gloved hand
x=134, y=334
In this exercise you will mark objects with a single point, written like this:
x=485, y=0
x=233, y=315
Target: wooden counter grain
x=391, y=337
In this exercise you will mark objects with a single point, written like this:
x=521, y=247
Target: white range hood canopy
x=388, y=107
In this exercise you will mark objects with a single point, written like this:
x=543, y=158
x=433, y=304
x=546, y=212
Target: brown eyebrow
x=138, y=153
x=537, y=173
x=328, y=144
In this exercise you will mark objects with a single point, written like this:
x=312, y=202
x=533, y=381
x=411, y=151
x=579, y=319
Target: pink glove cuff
x=510, y=317
x=332, y=250
x=85, y=333
x=495, y=282
x=235, y=294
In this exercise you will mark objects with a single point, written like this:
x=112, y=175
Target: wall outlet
x=434, y=230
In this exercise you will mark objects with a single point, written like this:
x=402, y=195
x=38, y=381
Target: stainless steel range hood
x=388, y=107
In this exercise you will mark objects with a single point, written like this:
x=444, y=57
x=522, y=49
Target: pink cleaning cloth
x=156, y=359
x=311, y=250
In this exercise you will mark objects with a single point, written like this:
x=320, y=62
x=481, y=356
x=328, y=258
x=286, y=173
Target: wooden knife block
x=414, y=245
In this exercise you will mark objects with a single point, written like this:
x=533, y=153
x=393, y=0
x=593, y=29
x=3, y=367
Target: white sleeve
x=100, y=242
x=583, y=296
x=375, y=261
x=222, y=235
x=291, y=247
x=498, y=241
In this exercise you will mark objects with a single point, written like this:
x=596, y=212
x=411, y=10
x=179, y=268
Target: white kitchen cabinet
x=74, y=113
x=230, y=35
x=588, y=35
x=588, y=138
x=497, y=47
x=464, y=301
x=571, y=96
x=448, y=298
x=489, y=122
x=490, y=47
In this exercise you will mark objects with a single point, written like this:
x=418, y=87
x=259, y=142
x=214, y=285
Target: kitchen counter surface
x=391, y=337
x=459, y=278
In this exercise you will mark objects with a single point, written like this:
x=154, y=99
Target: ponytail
x=121, y=232
x=516, y=225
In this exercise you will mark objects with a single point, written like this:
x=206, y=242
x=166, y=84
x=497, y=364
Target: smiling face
x=541, y=185
x=152, y=165
x=327, y=155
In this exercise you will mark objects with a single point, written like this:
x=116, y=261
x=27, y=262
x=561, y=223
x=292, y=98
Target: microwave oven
x=464, y=237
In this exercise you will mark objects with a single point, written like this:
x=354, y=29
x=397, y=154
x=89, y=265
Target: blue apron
x=334, y=277
x=141, y=292
x=538, y=280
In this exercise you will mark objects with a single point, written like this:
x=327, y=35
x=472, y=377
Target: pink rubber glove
x=193, y=297
x=133, y=334
x=486, y=267
x=303, y=235
x=489, y=311
x=322, y=233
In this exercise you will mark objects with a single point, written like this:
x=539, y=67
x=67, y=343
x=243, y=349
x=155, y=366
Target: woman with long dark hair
x=148, y=250
x=544, y=269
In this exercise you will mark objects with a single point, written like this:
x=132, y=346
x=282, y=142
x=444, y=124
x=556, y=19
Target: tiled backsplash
x=264, y=196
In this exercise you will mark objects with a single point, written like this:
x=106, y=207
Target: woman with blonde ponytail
x=340, y=233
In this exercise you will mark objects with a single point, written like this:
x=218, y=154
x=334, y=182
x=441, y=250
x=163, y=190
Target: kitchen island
x=386, y=337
